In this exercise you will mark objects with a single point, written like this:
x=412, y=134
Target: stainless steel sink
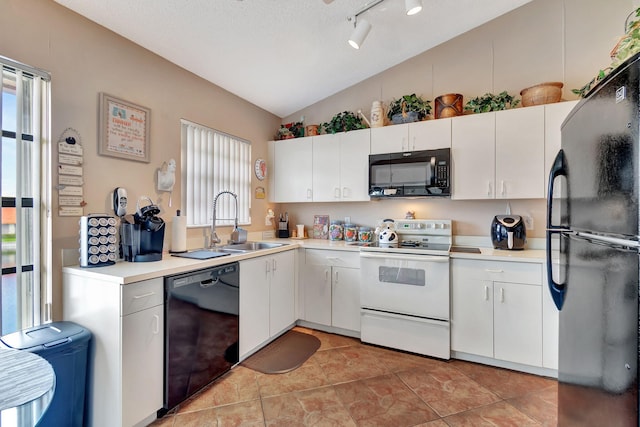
x=249, y=247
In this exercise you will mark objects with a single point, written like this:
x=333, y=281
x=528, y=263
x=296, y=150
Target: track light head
x=360, y=32
x=413, y=6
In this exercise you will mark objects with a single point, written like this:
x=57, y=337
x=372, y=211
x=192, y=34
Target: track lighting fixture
x=359, y=33
x=362, y=27
x=413, y=6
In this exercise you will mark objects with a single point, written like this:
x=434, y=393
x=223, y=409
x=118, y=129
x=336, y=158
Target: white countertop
x=124, y=272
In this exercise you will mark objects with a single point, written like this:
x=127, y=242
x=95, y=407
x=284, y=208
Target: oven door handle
x=405, y=257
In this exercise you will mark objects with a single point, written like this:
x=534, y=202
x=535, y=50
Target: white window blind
x=25, y=295
x=214, y=161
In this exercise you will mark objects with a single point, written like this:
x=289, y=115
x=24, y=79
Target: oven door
x=416, y=285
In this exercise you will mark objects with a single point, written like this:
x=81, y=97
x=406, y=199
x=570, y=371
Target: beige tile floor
x=347, y=383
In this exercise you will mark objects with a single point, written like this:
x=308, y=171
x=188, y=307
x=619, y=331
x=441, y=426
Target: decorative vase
x=377, y=115
x=312, y=130
x=449, y=105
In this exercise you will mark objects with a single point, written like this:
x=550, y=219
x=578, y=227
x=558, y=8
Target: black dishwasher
x=201, y=329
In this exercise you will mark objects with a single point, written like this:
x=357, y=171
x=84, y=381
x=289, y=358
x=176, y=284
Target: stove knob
x=430, y=225
x=439, y=225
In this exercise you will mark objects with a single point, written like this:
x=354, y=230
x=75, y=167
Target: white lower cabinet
x=127, y=325
x=267, y=299
x=330, y=288
x=497, y=310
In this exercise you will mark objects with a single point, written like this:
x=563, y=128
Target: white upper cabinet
x=554, y=115
x=473, y=156
x=417, y=136
x=290, y=161
x=341, y=166
x=520, y=153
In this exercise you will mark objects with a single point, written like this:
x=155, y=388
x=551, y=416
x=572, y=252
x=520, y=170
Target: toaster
x=508, y=232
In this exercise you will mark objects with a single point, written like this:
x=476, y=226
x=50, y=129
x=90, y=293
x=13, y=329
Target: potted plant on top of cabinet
x=343, y=122
x=490, y=102
x=409, y=108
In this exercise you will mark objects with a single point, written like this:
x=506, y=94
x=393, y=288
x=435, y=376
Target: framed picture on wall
x=124, y=129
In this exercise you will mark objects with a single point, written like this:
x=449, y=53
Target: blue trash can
x=65, y=345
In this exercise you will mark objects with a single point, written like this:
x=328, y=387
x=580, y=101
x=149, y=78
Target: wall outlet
x=528, y=222
x=347, y=220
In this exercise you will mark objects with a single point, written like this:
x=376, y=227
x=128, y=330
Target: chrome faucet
x=214, y=237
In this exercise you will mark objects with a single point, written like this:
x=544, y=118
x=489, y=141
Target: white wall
x=544, y=40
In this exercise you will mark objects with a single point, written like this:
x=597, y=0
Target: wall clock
x=260, y=169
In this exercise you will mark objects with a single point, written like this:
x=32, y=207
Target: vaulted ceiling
x=284, y=55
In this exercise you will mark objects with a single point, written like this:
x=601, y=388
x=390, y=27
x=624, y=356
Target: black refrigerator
x=592, y=237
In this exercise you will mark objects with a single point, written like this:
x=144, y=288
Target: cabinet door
x=517, y=317
x=354, y=165
x=550, y=327
x=554, y=115
x=317, y=294
x=254, y=304
x=292, y=170
x=473, y=156
x=520, y=153
x=430, y=134
x=390, y=139
x=282, y=292
x=142, y=364
x=472, y=316
x=326, y=168
x=345, y=298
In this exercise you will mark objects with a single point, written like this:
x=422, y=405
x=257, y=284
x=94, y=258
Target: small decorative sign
x=124, y=129
x=70, y=174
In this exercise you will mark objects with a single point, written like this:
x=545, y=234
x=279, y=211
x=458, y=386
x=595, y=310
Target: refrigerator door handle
x=557, y=290
x=608, y=240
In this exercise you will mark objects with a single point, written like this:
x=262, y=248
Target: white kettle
x=386, y=233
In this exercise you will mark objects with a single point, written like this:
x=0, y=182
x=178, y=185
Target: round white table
x=27, y=384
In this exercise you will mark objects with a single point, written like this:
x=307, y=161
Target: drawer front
x=349, y=259
x=497, y=271
x=141, y=295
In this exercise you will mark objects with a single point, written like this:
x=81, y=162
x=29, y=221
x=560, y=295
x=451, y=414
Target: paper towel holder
x=178, y=235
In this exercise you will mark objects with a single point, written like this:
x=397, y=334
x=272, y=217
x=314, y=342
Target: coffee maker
x=142, y=240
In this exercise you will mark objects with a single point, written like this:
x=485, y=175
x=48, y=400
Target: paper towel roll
x=179, y=233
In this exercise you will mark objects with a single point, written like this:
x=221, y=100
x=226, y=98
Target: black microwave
x=410, y=174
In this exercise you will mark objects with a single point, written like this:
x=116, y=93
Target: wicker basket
x=544, y=93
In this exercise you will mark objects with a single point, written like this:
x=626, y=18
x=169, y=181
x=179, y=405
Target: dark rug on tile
x=285, y=354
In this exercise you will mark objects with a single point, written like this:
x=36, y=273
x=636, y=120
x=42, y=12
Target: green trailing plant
x=342, y=122
x=409, y=103
x=627, y=46
x=490, y=102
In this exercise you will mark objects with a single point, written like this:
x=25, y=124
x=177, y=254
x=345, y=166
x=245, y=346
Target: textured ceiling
x=284, y=55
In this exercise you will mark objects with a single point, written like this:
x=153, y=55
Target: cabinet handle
x=489, y=190
x=486, y=293
x=336, y=277
x=274, y=265
x=267, y=268
x=156, y=329
x=492, y=270
x=502, y=188
x=326, y=275
x=148, y=294
x=336, y=193
x=309, y=194
x=345, y=193
x=403, y=142
x=501, y=294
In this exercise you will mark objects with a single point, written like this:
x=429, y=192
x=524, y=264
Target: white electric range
x=404, y=291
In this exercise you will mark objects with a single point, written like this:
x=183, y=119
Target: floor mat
x=284, y=354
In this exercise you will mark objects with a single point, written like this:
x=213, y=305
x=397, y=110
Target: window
x=24, y=284
x=213, y=161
